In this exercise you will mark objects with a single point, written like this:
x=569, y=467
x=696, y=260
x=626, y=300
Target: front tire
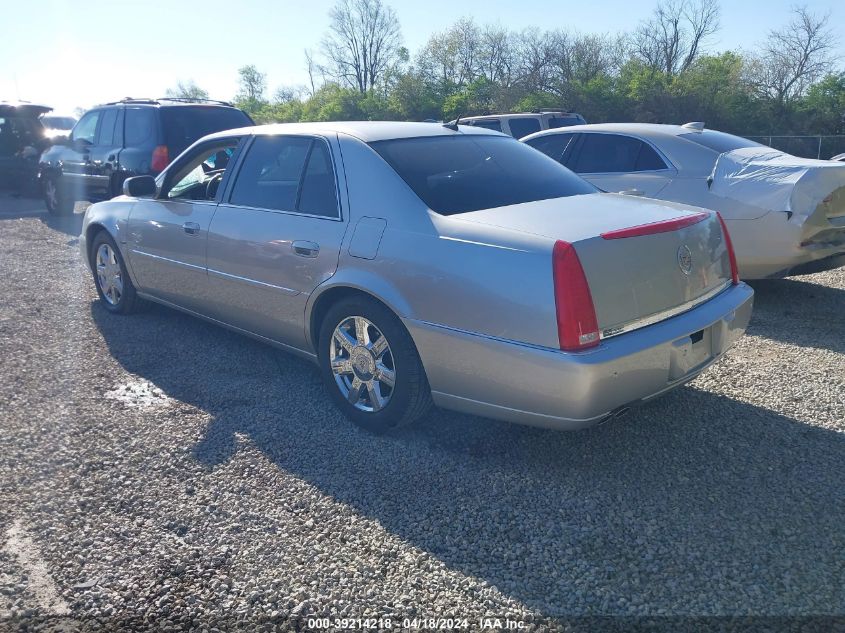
x=114, y=287
x=55, y=197
x=371, y=367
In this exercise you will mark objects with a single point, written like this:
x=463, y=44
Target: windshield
x=719, y=142
x=461, y=173
x=185, y=124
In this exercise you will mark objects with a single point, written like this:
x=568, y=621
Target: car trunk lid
x=675, y=259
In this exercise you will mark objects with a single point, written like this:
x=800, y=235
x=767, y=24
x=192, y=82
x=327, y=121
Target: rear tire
x=114, y=287
x=55, y=196
x=379, y=382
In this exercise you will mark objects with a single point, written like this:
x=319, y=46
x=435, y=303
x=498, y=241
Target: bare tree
x=795, y=56
x=675, y=35
x=312, y=67
x=187, y=90
x=363, y=42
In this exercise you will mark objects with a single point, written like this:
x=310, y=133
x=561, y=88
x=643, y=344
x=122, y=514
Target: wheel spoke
x=374, y=392
x=342, y=366
x=354, y=394
x=385, y=375
x=379, y=347
x=361, y=331
x=345, y=340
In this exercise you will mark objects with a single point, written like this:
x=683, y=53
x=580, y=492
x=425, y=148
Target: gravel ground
x=160, y=472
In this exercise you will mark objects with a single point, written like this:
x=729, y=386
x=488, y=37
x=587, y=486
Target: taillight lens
x=160, y=158
x=577, y=326
x=730, y=247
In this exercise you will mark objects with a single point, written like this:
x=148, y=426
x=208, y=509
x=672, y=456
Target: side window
x=489, y=124
x=319, y=192
x=649, y=159
x=523, y=127
x=87, y=127
x=199, y=177
x=552, y=145
x=607, y=153
x=107, y=127
x=139, y=128
x=287, y=173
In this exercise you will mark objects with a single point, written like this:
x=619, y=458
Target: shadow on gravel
x=799, y=312
x=694, y=504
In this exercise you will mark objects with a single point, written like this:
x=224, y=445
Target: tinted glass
x=185, y=124
x=719, y=141
x=139, y=128
x=487, y=124
x=648, y=159
x=552, y=145
x=87, y=127
x=607, y=153
x=559, y=121
x=107, y=125
x=319, y=194
x=270, y=175
x=523, y=127
x=460, y=173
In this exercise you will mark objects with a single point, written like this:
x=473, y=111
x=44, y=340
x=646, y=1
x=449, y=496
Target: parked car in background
x=22, y=140
x=126, y=138
x=525, y=123
x=416, y=263
x=840, y=157
x=57, y=125
x=786, y=214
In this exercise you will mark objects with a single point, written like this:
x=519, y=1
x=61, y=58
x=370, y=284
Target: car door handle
x=191, y=228
x=632, y=192
x=305, y=249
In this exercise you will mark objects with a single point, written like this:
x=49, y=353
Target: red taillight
x=730, y=247
x=577, y=327
x=664, y=226
x=160, y=158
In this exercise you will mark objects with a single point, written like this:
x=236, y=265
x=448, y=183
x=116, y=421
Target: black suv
x=133, y=137
x=22, y=140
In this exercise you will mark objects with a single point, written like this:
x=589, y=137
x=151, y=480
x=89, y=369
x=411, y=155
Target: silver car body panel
x=477, y=285
x=770, y=241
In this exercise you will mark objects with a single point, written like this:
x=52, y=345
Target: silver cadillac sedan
x=422, y=264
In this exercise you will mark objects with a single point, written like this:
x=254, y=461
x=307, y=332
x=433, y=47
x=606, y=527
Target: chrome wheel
x=109, y=276
x=362, y=364
x=51, y=194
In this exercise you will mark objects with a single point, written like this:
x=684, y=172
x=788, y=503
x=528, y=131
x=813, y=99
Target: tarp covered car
x=811, y=193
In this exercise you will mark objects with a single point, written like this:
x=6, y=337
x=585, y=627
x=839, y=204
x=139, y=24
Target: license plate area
x=689, y=353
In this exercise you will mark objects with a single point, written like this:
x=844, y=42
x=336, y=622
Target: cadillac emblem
x=685, y=259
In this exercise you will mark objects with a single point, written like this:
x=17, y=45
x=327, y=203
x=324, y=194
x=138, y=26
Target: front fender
x=113, y=217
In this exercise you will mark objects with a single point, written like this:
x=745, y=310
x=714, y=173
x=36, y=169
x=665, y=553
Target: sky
x=77, y=54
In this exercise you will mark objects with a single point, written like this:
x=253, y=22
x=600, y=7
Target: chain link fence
x=822, y=146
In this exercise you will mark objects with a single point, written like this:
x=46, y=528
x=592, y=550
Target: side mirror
x=140, y=186
x=80, y=144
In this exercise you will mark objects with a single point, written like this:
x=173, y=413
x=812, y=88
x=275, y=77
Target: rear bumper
x=539, y=386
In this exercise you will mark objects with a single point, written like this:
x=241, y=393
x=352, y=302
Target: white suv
x=519, y=125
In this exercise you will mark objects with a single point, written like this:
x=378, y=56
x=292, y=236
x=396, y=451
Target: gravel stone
x=207, y=483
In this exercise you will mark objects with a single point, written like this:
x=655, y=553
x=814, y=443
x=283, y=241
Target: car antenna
x=454, y=124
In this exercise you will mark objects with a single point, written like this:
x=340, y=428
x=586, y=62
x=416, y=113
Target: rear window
x=185, y=124
x=58, y=122
x=488, y=124
x=461, y=173
x=558, y=121
x=719, y=142
x=523, y=127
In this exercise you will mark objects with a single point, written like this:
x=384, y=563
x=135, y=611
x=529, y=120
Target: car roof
x=367, y=131
x=641, y=129
x=24, y=108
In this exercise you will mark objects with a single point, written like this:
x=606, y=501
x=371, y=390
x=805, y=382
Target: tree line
x=662, y=71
